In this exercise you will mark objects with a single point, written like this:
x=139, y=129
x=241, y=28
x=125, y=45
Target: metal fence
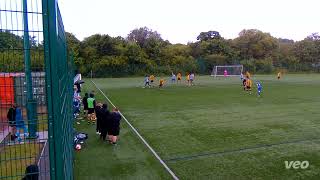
x=36, y=81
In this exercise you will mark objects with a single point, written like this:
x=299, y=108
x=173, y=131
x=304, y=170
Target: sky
x=181, y=21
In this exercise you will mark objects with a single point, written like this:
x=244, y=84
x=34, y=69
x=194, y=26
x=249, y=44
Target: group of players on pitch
x=247, y=83
x=190, y=77
x=149, y=80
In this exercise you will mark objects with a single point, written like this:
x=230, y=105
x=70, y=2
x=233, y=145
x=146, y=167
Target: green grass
x=213, y=130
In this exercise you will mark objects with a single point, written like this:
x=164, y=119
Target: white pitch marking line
x=142, y=139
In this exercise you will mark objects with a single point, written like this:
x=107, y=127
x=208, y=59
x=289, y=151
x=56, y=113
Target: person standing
x=249, y=85
x=225, y=73
x=173, y=77
x=191, y=79
x=259, y=89
x=91, y=104
x=151, y=78
x=76, y=102
x=115, y=128
x=188, y=79
x=105, y=123
x=20, y=124
x=85, y=104
x=146, y=81
x=99, y=116
x=11, y=116
x=248, y=75
x=279, y=75
x=244, y=83
x=161, y=82
x=179, y=77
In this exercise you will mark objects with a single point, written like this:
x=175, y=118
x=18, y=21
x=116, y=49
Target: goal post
x=228, y=70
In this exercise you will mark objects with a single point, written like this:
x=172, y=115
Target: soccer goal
x=231, y=70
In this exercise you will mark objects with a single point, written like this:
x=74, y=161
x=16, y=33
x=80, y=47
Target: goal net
x=231, y=70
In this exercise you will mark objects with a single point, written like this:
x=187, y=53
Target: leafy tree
x=307, y=53
x=73, y=44
x=255, y=44
x=205, y=36
x=9, y=40
x=142, y=35
x=178, y=58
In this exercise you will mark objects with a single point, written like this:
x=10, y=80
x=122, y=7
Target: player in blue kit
x=259, y=88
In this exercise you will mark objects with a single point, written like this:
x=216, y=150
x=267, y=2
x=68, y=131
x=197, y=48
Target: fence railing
x=36, y=79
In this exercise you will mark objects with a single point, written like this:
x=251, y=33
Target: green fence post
x=31, y=103
x=59, y=93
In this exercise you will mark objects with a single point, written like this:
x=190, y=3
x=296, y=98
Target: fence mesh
x=35, y=127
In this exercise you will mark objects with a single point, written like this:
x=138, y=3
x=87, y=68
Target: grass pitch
x=213, y=130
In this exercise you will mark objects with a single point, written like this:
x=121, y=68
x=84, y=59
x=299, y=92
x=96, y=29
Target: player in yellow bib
x=248, y=85
x=188, y=79
x=248, y=75
x=179, y=77
x=152, y=78
x=279, y=75
x=161, y=83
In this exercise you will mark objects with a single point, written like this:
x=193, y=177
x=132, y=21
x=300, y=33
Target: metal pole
x=31, y=103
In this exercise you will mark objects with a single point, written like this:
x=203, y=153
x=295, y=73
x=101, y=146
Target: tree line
x=144, y=51
x=12, y=53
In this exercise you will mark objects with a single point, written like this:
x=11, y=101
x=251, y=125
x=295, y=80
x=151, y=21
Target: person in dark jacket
x=32, y=172
x=105, y=122
x=11, y=116
x=99, y=115
x=115, y=126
